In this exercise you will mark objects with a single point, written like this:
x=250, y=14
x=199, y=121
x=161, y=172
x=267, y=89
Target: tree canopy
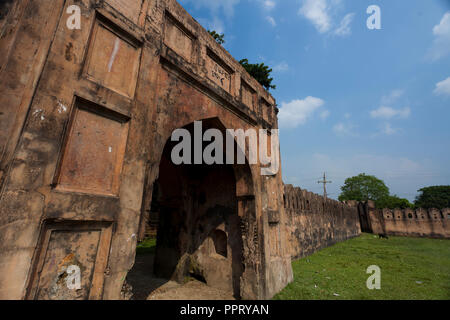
x=365, y=187
x=394, y=202
x=260, y=72
x=220, y=38
x=433, y=197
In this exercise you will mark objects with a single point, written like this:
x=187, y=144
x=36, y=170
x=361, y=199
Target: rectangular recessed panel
x=274, y=234
x=69, y=259
x=112, y=61
x=247, y=95
x=266, y=111
x=94, y=152
x=177, y=39
x=218, y=73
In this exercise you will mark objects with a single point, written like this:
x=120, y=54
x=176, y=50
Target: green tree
x=364, y=187
x=433, y=197
x=260, y=72
x=220, y=38
x=394, y=202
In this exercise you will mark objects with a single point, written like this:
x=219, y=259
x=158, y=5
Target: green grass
x=411, y=268
x=146, y=246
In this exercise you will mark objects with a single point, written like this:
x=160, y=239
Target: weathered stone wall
x=84, y=118
x=432, y=223
x=315, y=222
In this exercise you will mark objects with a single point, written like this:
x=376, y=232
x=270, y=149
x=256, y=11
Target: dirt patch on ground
x=192, y=290
x=146, y=286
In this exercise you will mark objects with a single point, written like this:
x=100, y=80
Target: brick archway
x=194, y=202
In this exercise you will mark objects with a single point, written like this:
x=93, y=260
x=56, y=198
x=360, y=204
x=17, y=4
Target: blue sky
x=351, y=99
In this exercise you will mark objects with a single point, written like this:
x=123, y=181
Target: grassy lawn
x=411, y=268
x=146, y=246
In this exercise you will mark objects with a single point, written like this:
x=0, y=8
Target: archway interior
x=199, y=229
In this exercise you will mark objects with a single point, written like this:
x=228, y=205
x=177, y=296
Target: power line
x=324, y=181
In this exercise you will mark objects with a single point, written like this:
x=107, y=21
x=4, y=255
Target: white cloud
x=347, y=115
x=296, y=112
x=324, y=114
x=281, y=67
x=344, y=27
x=339, y=127
x=220, y=8
x=443, y=87
x=321, y=14
x=317, y=11
x=389, y=113
x=215, y=24
x=441, y=42
x=268, y=4
x=344, y=129
x=388, y=130
x=216, y=8
x=392, y=97
x=271, y=20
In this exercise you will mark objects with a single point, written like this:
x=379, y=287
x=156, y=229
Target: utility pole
x=324, y=181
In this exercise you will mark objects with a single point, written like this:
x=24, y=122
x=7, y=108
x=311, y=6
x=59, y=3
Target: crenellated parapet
x=419, y=214
x=315, y=222
x=418, y=222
